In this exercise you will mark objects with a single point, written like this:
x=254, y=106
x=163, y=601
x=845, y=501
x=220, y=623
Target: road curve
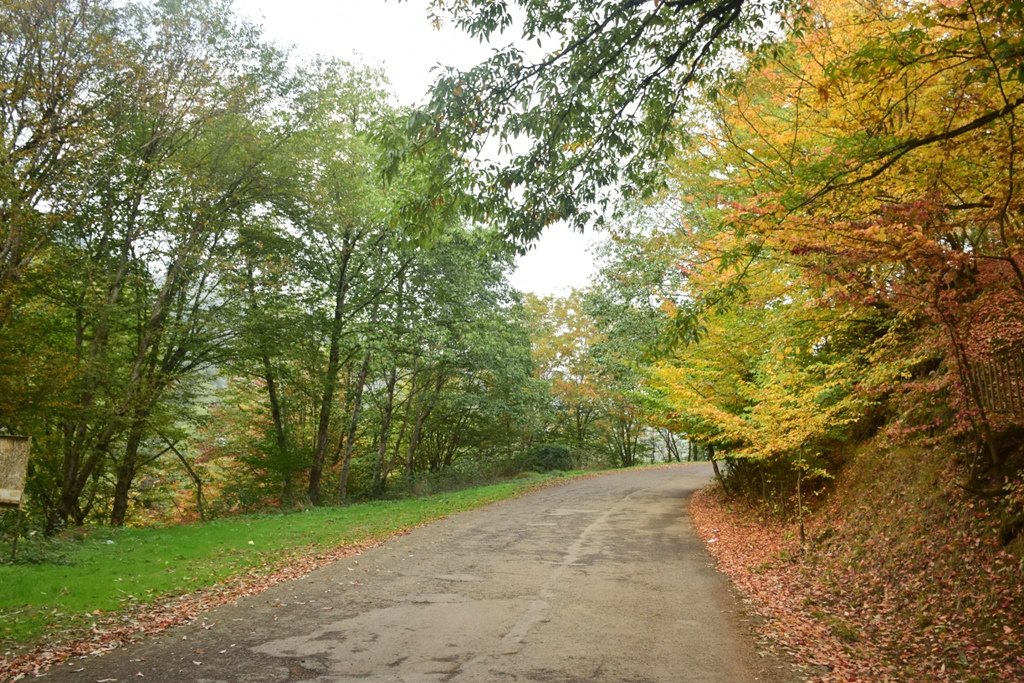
x=600, y=579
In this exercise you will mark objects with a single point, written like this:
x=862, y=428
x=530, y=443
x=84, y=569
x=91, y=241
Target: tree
x=594, y=346
x=599, y=106
x=144, y=203
x=190, y=168
x=882, y=158
x=328, y=218
x=562, y=335
x=55, y=57
x=469, y=360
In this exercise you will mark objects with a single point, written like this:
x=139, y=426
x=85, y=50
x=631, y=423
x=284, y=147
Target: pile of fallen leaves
x=902, y=578
x=758, y=554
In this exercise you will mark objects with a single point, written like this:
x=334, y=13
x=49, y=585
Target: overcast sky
x=398, y=37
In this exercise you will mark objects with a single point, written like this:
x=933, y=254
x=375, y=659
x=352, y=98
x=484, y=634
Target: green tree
x=56, y=56
x=601, y=104
x=129, y=285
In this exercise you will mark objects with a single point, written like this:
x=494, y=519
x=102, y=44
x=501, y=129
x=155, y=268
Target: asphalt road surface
x=601, y=579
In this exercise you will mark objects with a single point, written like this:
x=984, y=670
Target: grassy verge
x=106, y=569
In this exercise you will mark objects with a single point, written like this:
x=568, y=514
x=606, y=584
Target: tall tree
x=55, y=58
x=131, y=278
x=884, y=162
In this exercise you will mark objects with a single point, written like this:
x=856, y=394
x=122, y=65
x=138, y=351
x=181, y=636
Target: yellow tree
x=563, y=335
x=771, y=381
x=879, y=154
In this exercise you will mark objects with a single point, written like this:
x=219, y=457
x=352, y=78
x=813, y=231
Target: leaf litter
x=942, y=606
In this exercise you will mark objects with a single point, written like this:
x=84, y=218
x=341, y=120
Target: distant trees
x=595, y=346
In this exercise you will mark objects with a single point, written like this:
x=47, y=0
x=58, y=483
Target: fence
x=1000, y=384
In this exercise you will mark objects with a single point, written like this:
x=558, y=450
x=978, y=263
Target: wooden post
x=17, y=533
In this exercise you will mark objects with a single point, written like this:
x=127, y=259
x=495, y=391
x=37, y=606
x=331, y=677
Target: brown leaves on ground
x=882, y=591
x=756, y=553
x=116, y=629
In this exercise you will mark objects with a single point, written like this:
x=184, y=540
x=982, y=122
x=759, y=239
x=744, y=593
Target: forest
x=212, y=298
x=816, y=236
x=235, y=280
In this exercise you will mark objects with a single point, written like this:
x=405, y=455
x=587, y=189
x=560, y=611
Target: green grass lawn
x=109, y=568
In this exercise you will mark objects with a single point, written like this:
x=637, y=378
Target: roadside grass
x=68, y=583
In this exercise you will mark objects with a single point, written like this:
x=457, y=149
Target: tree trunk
x=409, y=412
x=353, y=424
x=330, y=385
x=80, y=463
x=379, y=475
x=626, y=441
x=426, y=405
x=671, y=445
x=193, y=475
x=800, y=504
x=276, y=411
x=453, y=445
x=967, y=379
x=714, y=466
x=126, y=475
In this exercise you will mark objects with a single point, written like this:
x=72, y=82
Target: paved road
x=598, y=580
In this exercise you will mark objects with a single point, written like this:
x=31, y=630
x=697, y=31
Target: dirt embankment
x=902, y=578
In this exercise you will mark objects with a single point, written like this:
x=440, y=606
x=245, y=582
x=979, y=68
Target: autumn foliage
x=853, y=247
x=847, y=335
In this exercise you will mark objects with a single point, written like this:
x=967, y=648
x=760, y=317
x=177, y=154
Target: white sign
x=13, y=468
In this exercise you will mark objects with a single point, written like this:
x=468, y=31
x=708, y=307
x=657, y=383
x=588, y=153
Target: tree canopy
x=207, y=290
x=214, y=279
x=560, y=132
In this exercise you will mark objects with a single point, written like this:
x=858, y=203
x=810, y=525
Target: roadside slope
x=902, y=578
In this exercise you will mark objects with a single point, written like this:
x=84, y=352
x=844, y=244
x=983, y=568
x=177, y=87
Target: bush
x=547, y=457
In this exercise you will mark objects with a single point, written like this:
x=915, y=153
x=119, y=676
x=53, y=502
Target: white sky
x=398, y=37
